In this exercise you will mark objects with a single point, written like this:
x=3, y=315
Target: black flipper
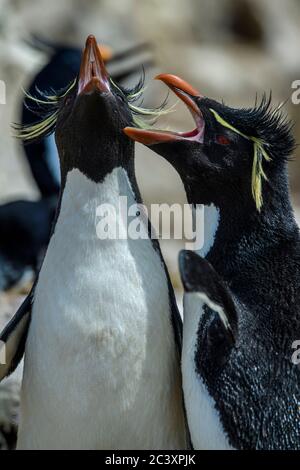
x=13, y=338
x=199, y=277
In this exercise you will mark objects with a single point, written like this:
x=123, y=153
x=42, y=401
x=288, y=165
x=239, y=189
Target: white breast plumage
x=204, y=423
x=211, y=223
x=100, y=363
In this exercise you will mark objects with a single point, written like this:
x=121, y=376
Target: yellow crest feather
x=260, y=154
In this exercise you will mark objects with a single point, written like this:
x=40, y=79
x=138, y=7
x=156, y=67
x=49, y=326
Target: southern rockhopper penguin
x=25, y=226
x=102, y=366
x=242, y=301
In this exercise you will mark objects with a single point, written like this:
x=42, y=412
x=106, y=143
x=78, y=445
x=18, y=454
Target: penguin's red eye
x=223, y=140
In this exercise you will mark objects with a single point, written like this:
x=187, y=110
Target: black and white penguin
x=25, y=226
x=102, y=367
x=241, y=307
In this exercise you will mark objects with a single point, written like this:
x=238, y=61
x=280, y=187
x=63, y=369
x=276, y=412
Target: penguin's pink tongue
x=185, y=93
x=93, y=74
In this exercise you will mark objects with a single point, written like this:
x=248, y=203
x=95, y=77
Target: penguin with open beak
x=241, y=380
x=101, y=327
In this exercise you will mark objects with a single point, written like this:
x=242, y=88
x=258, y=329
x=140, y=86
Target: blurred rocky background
x=228, y=49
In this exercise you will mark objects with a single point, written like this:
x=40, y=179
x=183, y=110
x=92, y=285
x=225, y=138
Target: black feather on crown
x=264, y=122
x=266, y=127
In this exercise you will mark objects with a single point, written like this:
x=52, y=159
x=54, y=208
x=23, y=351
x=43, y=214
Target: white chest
x=211, y=224
x=101, y=367
x=203, y=419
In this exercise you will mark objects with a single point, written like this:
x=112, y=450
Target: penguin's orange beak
x=93, y=74
x=185, y=93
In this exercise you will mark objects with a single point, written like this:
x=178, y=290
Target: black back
x=256, y=254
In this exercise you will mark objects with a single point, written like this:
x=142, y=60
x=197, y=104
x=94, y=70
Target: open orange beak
x=93, y=74
x=185, y=93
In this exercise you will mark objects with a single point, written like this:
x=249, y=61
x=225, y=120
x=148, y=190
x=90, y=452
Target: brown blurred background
x=228, y=49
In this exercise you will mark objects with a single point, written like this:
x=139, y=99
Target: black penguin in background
x=242, y=300
x=24, y=234
x=102, y=368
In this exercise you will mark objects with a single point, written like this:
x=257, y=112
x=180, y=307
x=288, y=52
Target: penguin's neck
x=235, y=235
x=98, y=161
x=82, y=198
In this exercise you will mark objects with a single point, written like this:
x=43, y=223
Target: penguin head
x=231, y=153
x=91, y=118
x=88, y=118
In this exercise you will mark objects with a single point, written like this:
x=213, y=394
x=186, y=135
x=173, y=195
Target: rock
x=9, y=410
x=9, y=388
